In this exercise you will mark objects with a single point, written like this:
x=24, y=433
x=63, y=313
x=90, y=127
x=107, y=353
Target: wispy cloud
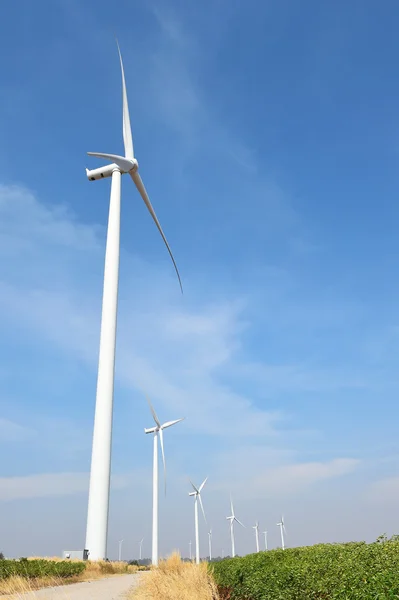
x=51, y=484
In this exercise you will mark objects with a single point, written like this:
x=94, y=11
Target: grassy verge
x=18, y=577
x=174, y=579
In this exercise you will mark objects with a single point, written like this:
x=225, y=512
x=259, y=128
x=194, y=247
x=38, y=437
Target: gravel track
x=110, y=588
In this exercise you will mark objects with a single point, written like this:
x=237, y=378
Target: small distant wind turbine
x=265, y=534
x=157, y=431
x=282, y=531
x=120, y=550
x=233, y=518
x=210, y=544
x=256, y=527
x=189, y=544
x=141, y=547
x=197, y=495
x=100, y=472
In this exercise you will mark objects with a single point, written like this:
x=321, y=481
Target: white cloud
x=13, y=432
x=384, y=491
x=51, y=484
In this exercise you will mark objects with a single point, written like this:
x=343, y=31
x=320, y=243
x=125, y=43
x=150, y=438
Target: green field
x=323, y=572
x=35, y=569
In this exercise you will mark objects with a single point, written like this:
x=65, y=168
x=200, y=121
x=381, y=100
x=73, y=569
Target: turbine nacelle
x=151, y=430
x=124, y=164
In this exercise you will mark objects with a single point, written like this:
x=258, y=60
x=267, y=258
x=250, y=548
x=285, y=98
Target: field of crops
x=323, y=572
x=34, y=569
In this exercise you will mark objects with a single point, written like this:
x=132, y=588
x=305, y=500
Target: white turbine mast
x=158, y=432
x=197, y=495
x=282, y=531
x=98, y=503
x=233, y=518
x=210, y=544
x=265, y=534
x=256, y=527
x=189, y=544
x=141, y=547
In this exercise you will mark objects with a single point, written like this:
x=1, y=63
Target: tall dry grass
x=176, y=580
x=94, y=570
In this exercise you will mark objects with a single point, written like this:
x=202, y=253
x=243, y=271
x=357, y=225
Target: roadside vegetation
x=175, y=579
x=355, y=571
x=23, y=575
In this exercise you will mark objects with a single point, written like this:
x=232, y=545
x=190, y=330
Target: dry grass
x=94, y=570
x=176, y=580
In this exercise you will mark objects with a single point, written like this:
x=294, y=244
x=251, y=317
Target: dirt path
x=111, y=588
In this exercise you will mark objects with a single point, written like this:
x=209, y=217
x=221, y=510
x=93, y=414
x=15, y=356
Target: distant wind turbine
x=197, y=495
x=189, y=544
x=100, y=472
x=282, y=531
x=141, y=547
x=210, y=544
x=120, y=550
x=233, y=518
x=157, y=431
x=256, y=527
x=265, y=534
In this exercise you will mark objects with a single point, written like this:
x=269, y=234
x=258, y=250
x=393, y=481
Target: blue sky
x=268, y=138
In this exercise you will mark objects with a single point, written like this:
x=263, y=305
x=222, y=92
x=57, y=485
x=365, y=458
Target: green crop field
x=35, y=569
x=324, y=572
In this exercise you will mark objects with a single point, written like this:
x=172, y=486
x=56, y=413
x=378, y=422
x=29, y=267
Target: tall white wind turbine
x=141, y=548
x=265, y=534
x=233, y=518
x=256, y=527
x=197, y=495
x=158, y=432
x=98, y=505
x=282, y=531
x=210, y=544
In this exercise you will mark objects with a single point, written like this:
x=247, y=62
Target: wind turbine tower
x=98, y=503
x=233, y=518
x=282, y=532
x=265, y=534
x=256, y=527
x=158, y=432
x=197, y=495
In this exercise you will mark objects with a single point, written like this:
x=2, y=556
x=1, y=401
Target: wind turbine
x=141, y=547
x=256, y=527
x=98, y=504
x=265, y=534
x=189, y=544
x=120, y=550
x=157, y=431
x=197, y=494
x=233, y=518
x=282, y=531
x=210, y=544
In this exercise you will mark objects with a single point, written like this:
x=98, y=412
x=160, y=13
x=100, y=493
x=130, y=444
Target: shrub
x=323, y=572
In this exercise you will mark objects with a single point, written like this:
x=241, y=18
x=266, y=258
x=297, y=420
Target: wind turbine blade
x=202, y=484
x=127, y=130
x=202, y=507
x=238, y=521
x=170, y=423
x=163, y=457
x=143, y=193
x=231, y=505
x=195, y=488
x=153, y=412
